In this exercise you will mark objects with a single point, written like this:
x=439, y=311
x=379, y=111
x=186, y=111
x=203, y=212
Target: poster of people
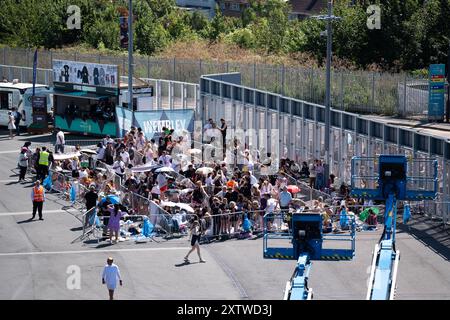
x=74, y=75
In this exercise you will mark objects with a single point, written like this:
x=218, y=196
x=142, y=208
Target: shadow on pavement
x=432, y=234
x=26, y=221
x=185, y=264
x=11, y=183
x=76, y=229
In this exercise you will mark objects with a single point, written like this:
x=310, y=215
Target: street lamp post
x=447, y=111
x=328, y=85
x=130, y=55
x=329, y=18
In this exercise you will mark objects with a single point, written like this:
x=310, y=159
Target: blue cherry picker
x=390, y=184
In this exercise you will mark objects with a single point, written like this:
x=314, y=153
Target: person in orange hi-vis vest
x=38, y=198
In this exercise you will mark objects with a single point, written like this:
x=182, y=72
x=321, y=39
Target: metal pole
x=130, y=54
x=447, y=113
x=328, y=84
x=404, y=95
x=254, y=75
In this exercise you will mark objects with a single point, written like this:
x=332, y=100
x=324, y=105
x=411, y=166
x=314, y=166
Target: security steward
x=38, y=198
x=43, y=164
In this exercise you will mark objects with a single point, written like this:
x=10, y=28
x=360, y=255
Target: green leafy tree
x=151, y=36
x=103, y=30
x=270, y=25
x=244, y=38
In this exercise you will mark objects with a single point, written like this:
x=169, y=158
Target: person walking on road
x=38, y=198
x=195, y=238
x=114, y=221
x=111, y=274
x=23, y=163
x=60, y=141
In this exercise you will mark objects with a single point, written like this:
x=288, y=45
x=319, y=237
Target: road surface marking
x=89, y=251
x=29, y=212
x=11, y=151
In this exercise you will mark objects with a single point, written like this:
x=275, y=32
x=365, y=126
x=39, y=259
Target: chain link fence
x=363, y=92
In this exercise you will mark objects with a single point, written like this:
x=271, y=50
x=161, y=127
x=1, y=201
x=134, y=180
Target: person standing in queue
x=60, y=141
x=23, y=163
x=38, y=198
x=43, y=164
x=91, y=202
x=111, y=273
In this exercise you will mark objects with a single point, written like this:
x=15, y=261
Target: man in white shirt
x=165, y=158
x=125, y=157
x=111, y=274
x=101, y=152
x=107, y=140
x=60, y=141
x=119, y=167
x=161, y=179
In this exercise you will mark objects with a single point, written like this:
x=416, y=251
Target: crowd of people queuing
x=224, y=198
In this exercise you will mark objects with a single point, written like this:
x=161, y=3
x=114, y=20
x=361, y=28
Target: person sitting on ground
x=372, y=220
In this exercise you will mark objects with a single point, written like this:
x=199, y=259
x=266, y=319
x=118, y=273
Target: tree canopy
x=413, y=34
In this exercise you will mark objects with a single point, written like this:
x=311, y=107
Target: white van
x=18, y=95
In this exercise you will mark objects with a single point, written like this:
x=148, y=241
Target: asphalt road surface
x=37, y=259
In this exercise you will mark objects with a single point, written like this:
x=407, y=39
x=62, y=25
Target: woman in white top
x=149, y=153
x=119, y=167
x=266, y=188
x=75, y=166
x=11, y=125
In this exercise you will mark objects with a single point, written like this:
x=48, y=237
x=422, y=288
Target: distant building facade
x=299, y=8
x=206, y=7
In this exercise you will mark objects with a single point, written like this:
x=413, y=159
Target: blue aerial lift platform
x=307, y=243
x=391, y=183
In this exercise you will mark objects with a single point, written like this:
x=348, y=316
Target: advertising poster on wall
x=89, y=77
x=152, y=122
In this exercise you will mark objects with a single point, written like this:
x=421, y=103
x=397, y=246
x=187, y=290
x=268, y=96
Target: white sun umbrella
x=170, y=204
x=164, y=169
x=65, y=156
x=144, y=167
x=204, y=170
x=187, y=190
x=185, y=206
x=88, y=151
x=194, y=151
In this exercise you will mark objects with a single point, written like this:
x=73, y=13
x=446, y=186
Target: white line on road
x=13, y=180
x=20, y=213
x=11, y=151
x=89, y=251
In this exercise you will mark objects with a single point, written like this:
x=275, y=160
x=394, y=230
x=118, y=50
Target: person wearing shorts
x=195, y=239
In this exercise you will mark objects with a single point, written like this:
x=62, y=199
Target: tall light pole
x=329, y=18
x=130, y=54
